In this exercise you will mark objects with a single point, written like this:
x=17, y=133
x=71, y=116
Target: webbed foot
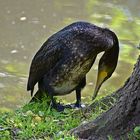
x=79, y=105
x=76, y=105
x=58, y=107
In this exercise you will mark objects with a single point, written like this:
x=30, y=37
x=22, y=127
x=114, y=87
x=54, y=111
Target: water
x=25, y=25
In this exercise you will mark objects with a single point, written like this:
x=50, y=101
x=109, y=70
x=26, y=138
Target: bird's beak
x=100, y=79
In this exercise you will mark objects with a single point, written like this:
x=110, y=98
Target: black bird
x=61, y=64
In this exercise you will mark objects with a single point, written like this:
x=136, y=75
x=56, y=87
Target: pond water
x=25, y=25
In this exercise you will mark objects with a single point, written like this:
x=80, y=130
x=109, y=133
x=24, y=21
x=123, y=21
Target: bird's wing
x=42, y=62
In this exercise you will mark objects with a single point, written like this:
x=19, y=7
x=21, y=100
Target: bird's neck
x=111, y=55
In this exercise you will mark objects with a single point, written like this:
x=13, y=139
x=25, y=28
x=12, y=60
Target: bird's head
x=107, y=65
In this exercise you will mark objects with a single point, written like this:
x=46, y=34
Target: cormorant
x=61, y=64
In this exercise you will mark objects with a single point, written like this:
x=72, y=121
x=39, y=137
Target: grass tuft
x=39, y=121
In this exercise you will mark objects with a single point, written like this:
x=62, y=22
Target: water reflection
x=25, y=25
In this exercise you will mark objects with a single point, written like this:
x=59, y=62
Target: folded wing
x=42, y=63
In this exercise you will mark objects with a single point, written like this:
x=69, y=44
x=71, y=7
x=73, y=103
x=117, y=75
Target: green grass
x=39, y=121
x=135, y=134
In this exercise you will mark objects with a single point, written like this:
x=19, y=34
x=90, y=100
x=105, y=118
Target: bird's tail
x=39, y=95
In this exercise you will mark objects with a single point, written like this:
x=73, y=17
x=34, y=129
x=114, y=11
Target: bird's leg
x=56, y=105
x=78, y=98
x=37, y=97
x=78, y=92
x=49, y=90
